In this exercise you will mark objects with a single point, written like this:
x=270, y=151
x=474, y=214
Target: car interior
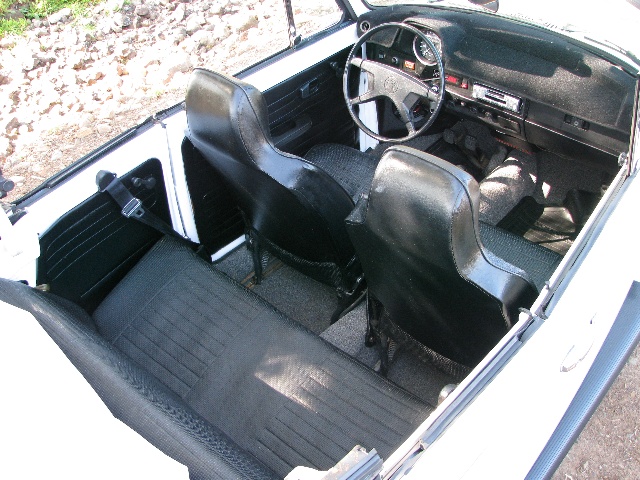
x=367, y=284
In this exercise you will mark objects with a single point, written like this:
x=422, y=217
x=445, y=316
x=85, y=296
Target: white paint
x=19, y=250
x=226, y=250
x=54, y=425
x=176, y=126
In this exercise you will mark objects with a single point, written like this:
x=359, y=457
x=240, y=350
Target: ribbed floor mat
x=550, y=227
x=299, y=297
x=279, y=391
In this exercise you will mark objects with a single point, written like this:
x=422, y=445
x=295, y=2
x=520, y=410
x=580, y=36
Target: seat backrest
x=287, y=200
x=417, y=238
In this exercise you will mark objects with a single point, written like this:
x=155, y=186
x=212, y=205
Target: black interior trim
x=90, y=248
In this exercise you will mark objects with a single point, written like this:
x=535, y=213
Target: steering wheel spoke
x=406, y=116
x=400, y=87
x=365, y=97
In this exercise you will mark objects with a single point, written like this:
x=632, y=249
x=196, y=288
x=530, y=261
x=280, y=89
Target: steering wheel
x=402, y=88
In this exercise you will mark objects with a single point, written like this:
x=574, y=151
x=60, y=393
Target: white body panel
x=54, y=425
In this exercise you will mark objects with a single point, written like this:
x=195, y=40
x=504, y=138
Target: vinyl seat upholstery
x=216, y=377
x=294, y=207
x=418, y=237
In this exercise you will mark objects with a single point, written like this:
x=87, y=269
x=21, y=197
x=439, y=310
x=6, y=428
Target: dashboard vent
x=496, y=97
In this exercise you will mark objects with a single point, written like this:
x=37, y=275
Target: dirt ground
x=608, y=446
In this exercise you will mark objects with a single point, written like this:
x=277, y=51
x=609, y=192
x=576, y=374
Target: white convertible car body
x=513, y=413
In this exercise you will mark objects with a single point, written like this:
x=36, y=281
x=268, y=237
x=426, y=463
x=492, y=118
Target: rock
x=194, y=23
x=125, y=52
x=179, y=62
x=122, y=20
x=103, y=128
x=12, y=124
x=79, y=60
x=178, y=37
x=5, y=77
x=17, y=179
x=8, y=41
x=108, y=110
x=86, y=120
x=221, y=31
x=179, y=80
x=142, y=11
x=84, y=132
x=243, y=22
x=13, y=14
x=6, y=148
x=178, y=14
x=90, y=77
x=60, y=16
x=203, y=38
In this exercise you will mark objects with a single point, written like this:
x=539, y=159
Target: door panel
x=309, y=108
x=90, y=249
x=215, y=211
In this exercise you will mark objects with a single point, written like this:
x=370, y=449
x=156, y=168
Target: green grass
x=12, y=26
x=42, y=8
x=37, y=9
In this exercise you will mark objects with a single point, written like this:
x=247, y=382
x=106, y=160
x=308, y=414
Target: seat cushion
x=132, y=394
x=276, y=389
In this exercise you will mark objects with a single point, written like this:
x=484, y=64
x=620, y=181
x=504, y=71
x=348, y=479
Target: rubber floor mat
x=551, y=227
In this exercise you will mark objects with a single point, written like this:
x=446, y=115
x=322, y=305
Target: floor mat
x=551, y=227
x=299, y=297
x=312, y=304
x=407, y=368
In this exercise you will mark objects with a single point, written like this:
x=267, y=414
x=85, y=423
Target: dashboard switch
x=576, y=122
x=452, y=79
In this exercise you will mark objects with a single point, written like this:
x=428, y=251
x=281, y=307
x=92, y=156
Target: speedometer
x=423, y=52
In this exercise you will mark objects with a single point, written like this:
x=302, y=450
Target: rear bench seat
x=217, y=378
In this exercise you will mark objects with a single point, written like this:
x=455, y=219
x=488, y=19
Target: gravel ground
x=607, y=448
x=72, y=83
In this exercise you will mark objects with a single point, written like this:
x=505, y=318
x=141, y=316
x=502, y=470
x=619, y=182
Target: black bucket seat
x=427, y=270
x=293, y=207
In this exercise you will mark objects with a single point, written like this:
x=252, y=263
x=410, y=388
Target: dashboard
x=526, y=83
